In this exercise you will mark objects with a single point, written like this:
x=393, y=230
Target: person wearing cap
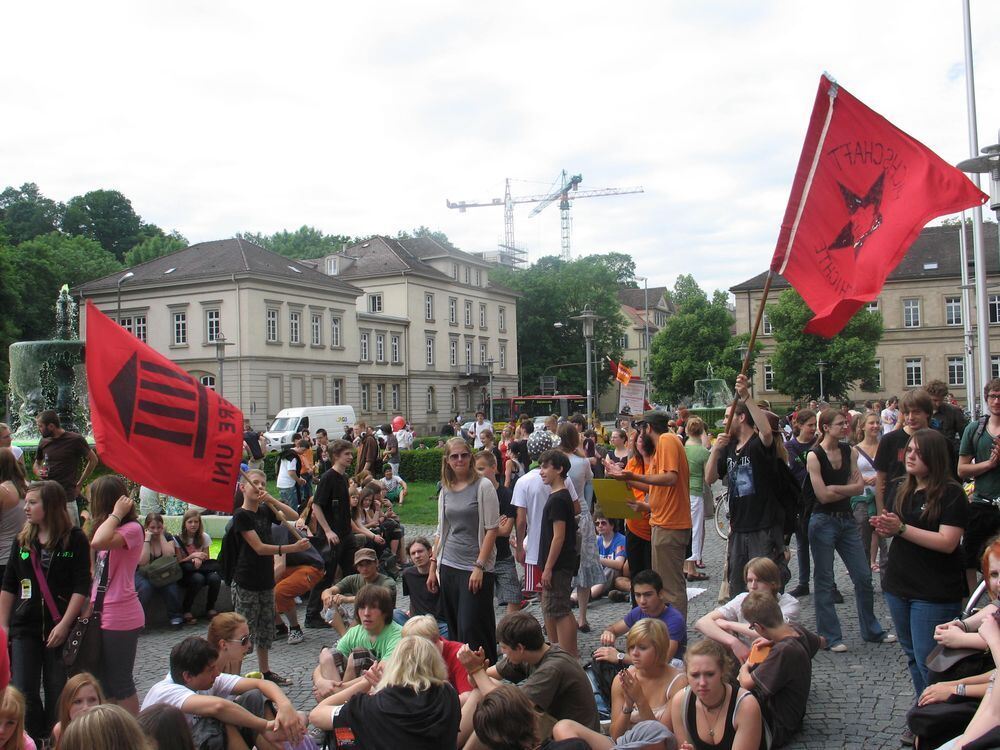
x=340, y=599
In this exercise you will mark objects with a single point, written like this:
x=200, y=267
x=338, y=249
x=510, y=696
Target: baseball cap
x=365, y=553
x=645, y=733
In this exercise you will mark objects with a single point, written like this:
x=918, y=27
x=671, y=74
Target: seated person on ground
x=403, y=703
x=374, y=638
x=611, y=548
x=425, y=626
x=224, y=710
x=414, y=577
x=340, y=598
x=647, y=587
x=552, y=679
x=984, y=729
x=779, y=669
x=395, y=487
x=727, y=624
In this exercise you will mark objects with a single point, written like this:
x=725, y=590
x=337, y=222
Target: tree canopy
x=25, y=213
x=305, y=242
x=154, y=247
x=849, y=356
x=554, y=291
x=107, y=217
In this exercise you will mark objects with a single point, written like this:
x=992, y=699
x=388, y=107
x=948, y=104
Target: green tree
x=305, y=242
x=107, y=217
x=154, y=247
x=440, y=237
x=25, y=213
x=554, y=291
x=849, y=356
x=620, y=264
x=697, y=335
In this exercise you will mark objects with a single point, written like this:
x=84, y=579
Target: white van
x=333, y=419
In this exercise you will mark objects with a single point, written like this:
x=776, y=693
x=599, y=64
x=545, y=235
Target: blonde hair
x=415, y=664
x=653, y=631
x=223, y=627
x=12, y=707
x=422, y=626
x=105, y=727
x=695, y=427
x=766, y=571
x=448, y=476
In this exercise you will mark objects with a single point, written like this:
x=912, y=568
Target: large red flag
x=621, y=371
x=863, y=190
x=155, y=423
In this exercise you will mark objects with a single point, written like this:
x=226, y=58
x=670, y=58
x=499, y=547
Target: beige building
x=921, y=306
x=416, y=330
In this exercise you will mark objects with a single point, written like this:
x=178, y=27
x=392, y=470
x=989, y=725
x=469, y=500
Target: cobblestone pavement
x=859, y=699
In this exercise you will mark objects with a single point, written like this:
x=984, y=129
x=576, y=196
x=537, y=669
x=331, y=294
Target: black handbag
x=946, y=664
x=82, y=651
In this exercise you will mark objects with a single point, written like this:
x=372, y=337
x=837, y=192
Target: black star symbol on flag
x=865, y=216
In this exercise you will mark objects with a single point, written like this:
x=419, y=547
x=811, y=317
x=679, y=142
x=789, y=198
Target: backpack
x=788, y=492
x=228, y=555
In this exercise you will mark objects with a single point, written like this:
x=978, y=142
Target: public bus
x=504, y=409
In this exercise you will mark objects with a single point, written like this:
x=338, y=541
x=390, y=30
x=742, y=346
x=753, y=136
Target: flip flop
x=696, y=576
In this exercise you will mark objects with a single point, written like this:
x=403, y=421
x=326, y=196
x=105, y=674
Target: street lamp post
x=489, y=370
x=587, y=317
x=220, y=356
x=123, y=279
x=822, y=366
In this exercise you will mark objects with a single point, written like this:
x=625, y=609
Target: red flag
x=622, y=373
x=155, y=423
x=863, y=190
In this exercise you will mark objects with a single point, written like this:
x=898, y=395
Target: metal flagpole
x=978, y=238
x=967, y=336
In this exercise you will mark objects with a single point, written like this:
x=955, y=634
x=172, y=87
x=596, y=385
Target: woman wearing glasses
x=230, y=634
x=834, y=479
x=462, y=563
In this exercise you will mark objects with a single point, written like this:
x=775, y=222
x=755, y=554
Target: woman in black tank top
x=834, y=479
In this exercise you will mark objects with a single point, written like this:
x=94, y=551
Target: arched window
x=430, y=399
x=208, y=381
x=454, y=400
x=503, y=393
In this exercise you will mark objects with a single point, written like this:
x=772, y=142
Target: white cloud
x=227, y=116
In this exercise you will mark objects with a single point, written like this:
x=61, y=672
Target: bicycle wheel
x=722, y=525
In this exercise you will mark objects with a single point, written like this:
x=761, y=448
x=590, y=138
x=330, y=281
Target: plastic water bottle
x=327, y=614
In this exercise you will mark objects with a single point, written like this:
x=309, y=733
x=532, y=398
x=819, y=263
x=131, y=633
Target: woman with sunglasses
x=463, y=559
x=230, y=634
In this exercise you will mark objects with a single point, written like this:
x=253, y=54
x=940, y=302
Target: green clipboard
x=614, y=496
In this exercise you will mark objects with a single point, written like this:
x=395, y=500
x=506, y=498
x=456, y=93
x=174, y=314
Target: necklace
x=712, y=722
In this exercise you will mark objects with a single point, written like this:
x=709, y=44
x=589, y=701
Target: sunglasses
x=242, y=641
x=459, y=456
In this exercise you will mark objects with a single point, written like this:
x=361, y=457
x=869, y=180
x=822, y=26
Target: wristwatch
x=960, y=689
x=479, y=565
x=621, y=657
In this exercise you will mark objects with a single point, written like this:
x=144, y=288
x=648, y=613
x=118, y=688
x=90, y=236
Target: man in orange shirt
x=670, y=506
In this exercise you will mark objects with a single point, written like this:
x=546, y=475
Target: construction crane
x=566, y=185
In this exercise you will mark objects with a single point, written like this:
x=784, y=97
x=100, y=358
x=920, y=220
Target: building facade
x=922, y=314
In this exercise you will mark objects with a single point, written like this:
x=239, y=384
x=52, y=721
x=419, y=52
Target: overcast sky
x=357, y=118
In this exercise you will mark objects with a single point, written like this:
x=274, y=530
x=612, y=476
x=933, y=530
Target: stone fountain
x=50, y=375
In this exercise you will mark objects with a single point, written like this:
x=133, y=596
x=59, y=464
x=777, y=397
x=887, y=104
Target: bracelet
x=964, y=624
x=902, y=528
x=279, y=549
x=112, y=515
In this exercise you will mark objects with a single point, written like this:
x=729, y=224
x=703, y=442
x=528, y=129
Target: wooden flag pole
x=753, y=340
x=273, y=505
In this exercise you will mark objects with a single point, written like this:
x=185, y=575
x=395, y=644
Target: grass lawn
x=420, y=506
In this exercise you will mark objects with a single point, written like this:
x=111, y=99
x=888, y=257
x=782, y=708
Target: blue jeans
x=171, y=594
x=289, y=496
x=400, y=618
x=915, y=622
x=829, y=532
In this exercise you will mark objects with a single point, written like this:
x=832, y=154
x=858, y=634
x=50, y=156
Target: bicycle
x=721, y=513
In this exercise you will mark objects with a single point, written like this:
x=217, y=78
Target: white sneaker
x=839, y=648
x=889, y=638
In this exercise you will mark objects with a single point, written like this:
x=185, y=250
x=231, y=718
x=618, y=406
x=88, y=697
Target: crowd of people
x=518, y=523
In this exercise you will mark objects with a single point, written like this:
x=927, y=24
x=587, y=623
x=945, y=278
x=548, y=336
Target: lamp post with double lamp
x=489, y=370
x=122, y=280
x=220, y=357
x=822, y=366
x=587, y=318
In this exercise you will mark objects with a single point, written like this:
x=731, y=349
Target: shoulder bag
x=82, y=651
x=162, y=571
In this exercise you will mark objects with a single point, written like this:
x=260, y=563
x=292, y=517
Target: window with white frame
x=765, y=323
x=375, y=303
x=482, y=315
x=208, y=381
x=365, y=396
x=453, y=311
x=872, y=306
x=395, y=396
x=503, y=356
x=768, y=377
x=994, y=307
x=380, y=397
x=878, y=374
x=660, y=318
x=995, y=366
x=428, y=307
x=430, y=351
x=468, y=353
x=364, y=347
x=454, y=271
x=956, y=371
x=380, y=347
x=294, y=327
x=914, y=371
x=431, y=406
x=482, y=354
x=479, y=277
x=180, y=328
x=316, y=326
x=911, y=313
x=467, y=269
x=623, y=341
x=331, y=266
x=271, y=329
x=338, y=391
x=453, y=352
x=213, y=325
x=335, y=331
x=953, y=311
x=502, y=318
x=394, y=349
x=136, y=325
x=468, y=314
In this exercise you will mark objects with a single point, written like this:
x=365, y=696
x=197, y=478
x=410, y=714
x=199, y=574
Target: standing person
x=158, y=543
x=6, y=441
x=199, y=570
x=508, y=586
x=833, y=480
x=557, y=551
x=925, y=578
x=797, y=447
x=307, y=457
x=890, y=415
x=332, y=511
x=638, y=532
x=321, y=459
x=119, y=535
x=979, y=460
x=50, y=544
x=253, y=578
x=391, y=450
x=468, y=517
x=13, y=487
x=478, y=427
x=288, y=479
x=369, y=455
x=697, y=456
x=518, y=461
x=619, y=452
x=59, y=457
x=890, y=464
x=747, y=455
x=949, y=420
x=489, y=446
x=863, y=505
x=590, y=572
x=254, y=446
x=667, y=481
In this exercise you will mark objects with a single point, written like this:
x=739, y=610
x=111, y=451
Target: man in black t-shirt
x=332, y=510
x=254, y=446
x=64, y=457
x=414, y=578
x=557, y=552
x=916, y=408
x=949, y=420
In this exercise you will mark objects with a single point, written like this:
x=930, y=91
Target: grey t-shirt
x=579, y=473
x=461, y=509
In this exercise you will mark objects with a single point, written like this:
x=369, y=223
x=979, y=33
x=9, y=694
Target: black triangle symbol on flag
x=123, y=388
